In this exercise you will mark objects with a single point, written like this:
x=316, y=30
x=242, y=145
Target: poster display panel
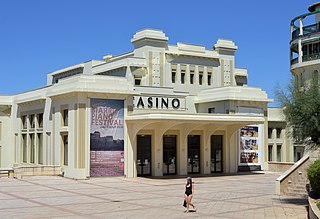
x=249, y=146
x=107, y=137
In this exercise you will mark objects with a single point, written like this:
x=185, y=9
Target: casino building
x=159, y=109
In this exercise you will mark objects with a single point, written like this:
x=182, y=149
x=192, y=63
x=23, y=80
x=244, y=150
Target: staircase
x=293, y=182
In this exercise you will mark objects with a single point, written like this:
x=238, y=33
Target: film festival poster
x=107, y=137
x=249, y=145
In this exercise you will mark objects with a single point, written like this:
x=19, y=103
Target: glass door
x=169, y=154
x=144, y=155
x=194, y=154
x=216, y=153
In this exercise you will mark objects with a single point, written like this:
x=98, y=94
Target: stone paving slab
x=234, y=196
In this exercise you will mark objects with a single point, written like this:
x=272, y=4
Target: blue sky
x=38, y=37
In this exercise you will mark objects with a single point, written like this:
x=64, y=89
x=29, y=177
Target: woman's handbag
x=184, y=204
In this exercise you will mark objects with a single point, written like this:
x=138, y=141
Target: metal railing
x=294, y=61
x=313, y=28
x=310, y=57
x=306, y=58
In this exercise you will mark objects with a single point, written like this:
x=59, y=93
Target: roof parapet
x=149, y=34
x=223, y=44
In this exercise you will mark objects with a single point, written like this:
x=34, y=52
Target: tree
x=301, y=107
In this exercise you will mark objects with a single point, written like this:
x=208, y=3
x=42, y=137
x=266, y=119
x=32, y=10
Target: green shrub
x=314, y=176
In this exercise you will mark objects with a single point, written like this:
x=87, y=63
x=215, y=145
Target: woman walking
x=189, y=194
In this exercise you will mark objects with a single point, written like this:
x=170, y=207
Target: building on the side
x=305, y=46
x=158, y=109
x=305, y=51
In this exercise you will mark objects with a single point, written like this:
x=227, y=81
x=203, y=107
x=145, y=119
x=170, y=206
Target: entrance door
x=169, y=154
x=194, y=154
x=144, y=155
x=216, y=153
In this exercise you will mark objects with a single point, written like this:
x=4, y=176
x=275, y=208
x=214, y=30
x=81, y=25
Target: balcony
x=302, y=24
x=306, y=58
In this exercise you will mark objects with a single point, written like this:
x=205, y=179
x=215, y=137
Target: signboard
x=167, y=103
x=107, y=137
x=249, y=146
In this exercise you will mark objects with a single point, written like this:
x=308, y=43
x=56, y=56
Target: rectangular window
x=24, y=149
x=209, y=78
x=212, y=110
x=32, y=148
x=270, y=148
x=40, y=148
x=16, y=149
x=183, y=74
x=24, y=122
x=279, y=132
x=279, y=153
x=65, y=149
x=269, y=133
x=40, y=120
x=65, y=116
x=173, y=76
x=137, y=81
x=304, y=50
x=32, y=121
x=310, y=49
x=191, y=77
x=200, y=77
x=315, y=48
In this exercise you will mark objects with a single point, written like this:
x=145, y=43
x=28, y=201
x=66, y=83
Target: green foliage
x=314, y=176
x=302, y=110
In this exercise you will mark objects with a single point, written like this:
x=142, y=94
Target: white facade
x=177, y=92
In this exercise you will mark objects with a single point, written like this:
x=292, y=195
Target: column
x=157, y=169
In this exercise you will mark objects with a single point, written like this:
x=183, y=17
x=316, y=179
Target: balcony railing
x=294, y=61
x=313, y=28
x=311, y=57
x=306, y=58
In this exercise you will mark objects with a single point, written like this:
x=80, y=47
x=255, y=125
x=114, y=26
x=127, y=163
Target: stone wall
x=19, y=172
x=293, y=181
x=279, y=166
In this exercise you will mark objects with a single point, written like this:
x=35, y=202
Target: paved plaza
x=235, y=196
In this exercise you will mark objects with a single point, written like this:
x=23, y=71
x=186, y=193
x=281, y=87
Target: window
x=212, y=110
x=315, y=49
x=137, y=81
x=24, y=122
x=191, y=77
x=310, y=49
x=40, y=148
x=279, y=132
x=65, y=149
x=200, y=77
x=32, y=121
x=173, y=76
x=269, y=133
x=40, y=120
x=32, y=148
x=298, y=156
x=24, y=148
x=279, y=153
x=183, y=74
x=304, y=50
x=65, y=117
x=270, y=149
x=209, y=78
